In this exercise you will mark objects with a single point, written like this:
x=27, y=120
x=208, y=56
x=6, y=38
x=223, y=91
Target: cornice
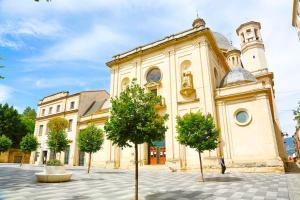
x=57, y=115
x=141, y=51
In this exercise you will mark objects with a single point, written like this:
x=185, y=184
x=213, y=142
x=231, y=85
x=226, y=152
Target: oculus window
x=154, y=75
x=242, y=117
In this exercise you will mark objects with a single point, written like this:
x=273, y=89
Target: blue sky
x=64, y=44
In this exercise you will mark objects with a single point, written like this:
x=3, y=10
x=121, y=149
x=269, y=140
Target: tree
x=11, y=124
x=134, y=121
x=1, y=77
x=57, y=139
x=28, y=119
x=58, y=124
x=28, y=144
x=29, y=113
x=90, y=141
x=297, y=116
x=197, y=131
x=5, y=143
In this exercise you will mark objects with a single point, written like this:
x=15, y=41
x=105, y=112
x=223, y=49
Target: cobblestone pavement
x=19, y=183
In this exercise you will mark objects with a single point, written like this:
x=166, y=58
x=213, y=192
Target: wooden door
x=162, y=155
x=153, y=155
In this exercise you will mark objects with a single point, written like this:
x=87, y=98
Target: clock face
x=153, y=75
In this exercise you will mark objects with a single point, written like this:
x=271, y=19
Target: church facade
x=199, y=70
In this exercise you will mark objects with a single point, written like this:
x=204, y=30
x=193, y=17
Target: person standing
x=222, y=163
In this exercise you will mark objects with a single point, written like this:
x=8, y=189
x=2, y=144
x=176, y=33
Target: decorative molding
x=57, y=114
x=189, y=101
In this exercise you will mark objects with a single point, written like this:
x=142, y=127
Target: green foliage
x=1, y=77
x=58, y=124
x=11, y=124
x=28, y=119
x=29, y=113
x=57, y=141
x=90, y=139
x=53, y=162
x=297, y=116
x=28, y=143
x=197, y=131
x=134, y=119
x=5, y=143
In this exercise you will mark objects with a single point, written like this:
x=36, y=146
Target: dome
x=222, y=41
x=237, y=75
x=232, y=48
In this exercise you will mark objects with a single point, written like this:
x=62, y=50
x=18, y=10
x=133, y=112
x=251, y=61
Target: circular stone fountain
x=53, y=174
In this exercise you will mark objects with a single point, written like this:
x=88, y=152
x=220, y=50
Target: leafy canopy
x=197, y=131
x=297, y=116
x=28, y=143
x=90, y=139
x=57, y=124
x=57, y=138
x=57, y=141
x=29, y=113
x=5, y=143
x=11, y=124
x=134, y=118
x=28, y=119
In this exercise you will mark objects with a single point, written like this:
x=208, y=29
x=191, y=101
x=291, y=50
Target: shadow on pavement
x=223, y=179
x=109, y=172
x=178, y=194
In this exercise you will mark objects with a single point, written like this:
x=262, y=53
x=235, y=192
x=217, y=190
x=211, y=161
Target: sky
x=61, y=45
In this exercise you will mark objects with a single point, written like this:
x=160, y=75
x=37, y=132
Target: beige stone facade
x=199, y=69
x=70, y=107
x=296, y=16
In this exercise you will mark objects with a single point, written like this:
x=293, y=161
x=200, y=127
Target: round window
x=153, y=75
x=242, y=117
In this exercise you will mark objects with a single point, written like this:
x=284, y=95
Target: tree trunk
x=202, y=179
x=136, y=172
x=89, y=165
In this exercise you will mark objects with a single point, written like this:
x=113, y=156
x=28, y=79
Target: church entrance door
x=157, y=153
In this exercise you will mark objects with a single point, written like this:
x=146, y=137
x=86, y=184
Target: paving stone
x=19, y=183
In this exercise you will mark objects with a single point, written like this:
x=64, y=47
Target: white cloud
x=58, y=82
x=12, y=33
x=5, y=93
x=9, y=44
x=87, y=46
x=31, y=27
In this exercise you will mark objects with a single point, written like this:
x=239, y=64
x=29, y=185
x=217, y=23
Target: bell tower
x=252, y=46
x=233, y=56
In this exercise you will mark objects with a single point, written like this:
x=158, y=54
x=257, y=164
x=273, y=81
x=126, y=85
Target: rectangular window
x=58, y=108
x=67, y=152
x=41, y=129
x=50, y=110
x=47, y=129
x=70, y=124
x=72, y=105
x=43, y=112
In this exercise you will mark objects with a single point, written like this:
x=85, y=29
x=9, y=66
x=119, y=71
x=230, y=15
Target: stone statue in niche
x=187, y=87
x=187, y=80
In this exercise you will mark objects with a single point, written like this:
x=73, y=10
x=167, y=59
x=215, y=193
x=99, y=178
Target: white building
x=70, y=107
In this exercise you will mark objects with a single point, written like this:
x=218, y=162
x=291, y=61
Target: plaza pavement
x=18, y=183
